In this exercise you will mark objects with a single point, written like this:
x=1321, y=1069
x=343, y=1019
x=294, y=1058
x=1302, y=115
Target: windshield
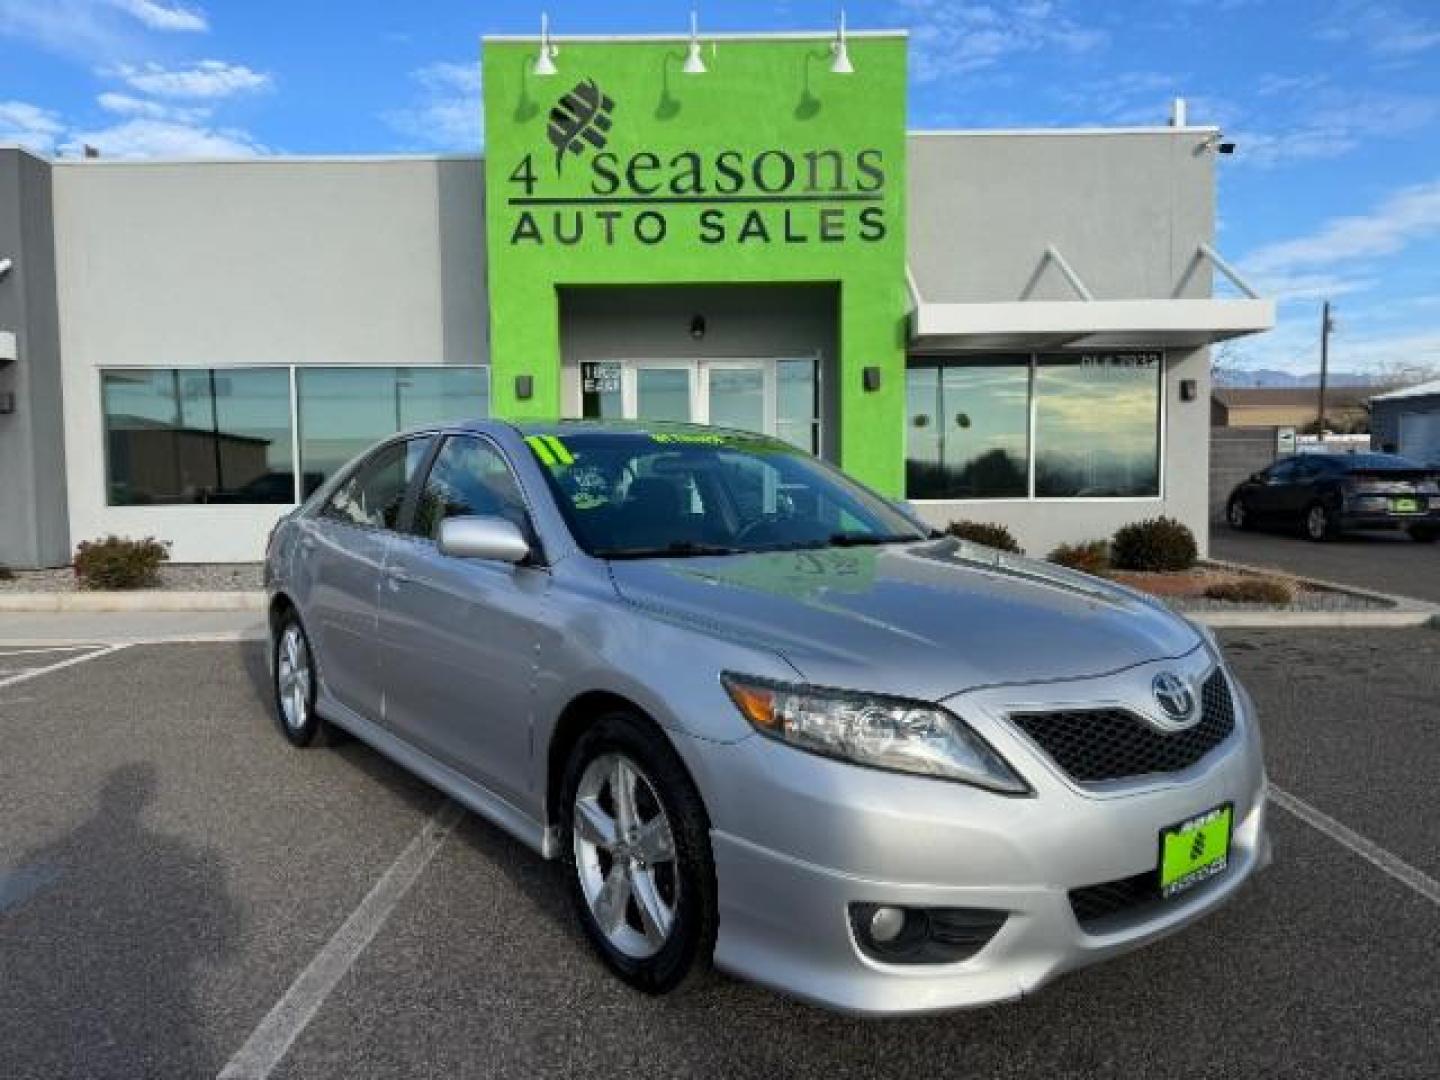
x=634, y=495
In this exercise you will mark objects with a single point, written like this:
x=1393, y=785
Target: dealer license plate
x=1405, y=506
x=1195, y=850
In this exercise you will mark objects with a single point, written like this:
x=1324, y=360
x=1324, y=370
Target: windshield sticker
x=550, y=450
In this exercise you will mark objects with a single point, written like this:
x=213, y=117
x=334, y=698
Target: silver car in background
x=764, y=716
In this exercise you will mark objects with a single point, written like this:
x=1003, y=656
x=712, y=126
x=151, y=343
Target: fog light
x=886, y=924
x=896, y=935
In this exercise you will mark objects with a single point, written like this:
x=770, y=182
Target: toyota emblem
x=1176, y=699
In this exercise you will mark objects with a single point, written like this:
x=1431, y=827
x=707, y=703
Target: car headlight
x=875, y=730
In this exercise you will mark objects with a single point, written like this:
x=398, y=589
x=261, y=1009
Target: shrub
x=1088, y=556
x=1158, y=544
x=120, y=563
x=984, y=532
x=5, y=574
x=1253, y=590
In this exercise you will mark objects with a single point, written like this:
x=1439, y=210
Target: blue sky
x=1334, y=191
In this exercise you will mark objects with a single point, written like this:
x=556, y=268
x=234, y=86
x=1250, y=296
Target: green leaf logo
x=579, y=118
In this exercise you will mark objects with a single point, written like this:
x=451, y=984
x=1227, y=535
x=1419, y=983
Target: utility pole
x=1327, y=324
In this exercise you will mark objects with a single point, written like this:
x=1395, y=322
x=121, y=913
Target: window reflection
x=198, y=436
x=967, y=429
x=1097, y=425
x=344, y=411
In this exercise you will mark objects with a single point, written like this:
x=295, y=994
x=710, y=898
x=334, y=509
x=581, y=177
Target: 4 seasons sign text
x=588, y=194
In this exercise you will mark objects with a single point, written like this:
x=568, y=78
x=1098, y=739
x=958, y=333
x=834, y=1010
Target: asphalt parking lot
x=170, y=869
x=1387, y=562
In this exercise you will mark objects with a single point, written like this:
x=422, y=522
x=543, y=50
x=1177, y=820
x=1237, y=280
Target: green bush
x=984, y=532
x=120, y=563
x=1158, y=544
x=1088, y=556
x=1253, y=590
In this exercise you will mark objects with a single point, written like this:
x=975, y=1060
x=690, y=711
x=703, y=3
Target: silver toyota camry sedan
x=765, y=717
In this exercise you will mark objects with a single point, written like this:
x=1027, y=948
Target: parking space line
x=282, y=1025
x=35, y=673
x=1371, y=852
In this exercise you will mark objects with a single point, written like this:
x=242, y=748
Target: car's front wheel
x=638, y=844
x=1319, y=523
x=293, y=667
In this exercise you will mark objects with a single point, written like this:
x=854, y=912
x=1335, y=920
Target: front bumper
x=798, y=839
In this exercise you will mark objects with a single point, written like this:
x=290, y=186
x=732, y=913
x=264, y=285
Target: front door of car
x=344, y=548
x=462, y=638
x=1268, y=495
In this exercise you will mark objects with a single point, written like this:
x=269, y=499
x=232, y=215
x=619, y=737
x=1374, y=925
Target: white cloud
x=1407, y=216
x=125, y=105
x=95, y=30
x=142, y=137
x=1332, y=123
x=1383, y=29
x=447, y=114
x=954, y=37
x=162, y=16
x=29, y=126
x=203, y=79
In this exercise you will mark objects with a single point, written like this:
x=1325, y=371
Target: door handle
x=396, y=577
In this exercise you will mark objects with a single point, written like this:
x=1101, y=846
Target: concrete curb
x=1408, y=603
x=139, y=600
x=1313, y=620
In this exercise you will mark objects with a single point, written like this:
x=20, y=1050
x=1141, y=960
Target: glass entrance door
x=772, y=396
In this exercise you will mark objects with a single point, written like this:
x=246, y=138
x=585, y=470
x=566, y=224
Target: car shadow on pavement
x=100, y=963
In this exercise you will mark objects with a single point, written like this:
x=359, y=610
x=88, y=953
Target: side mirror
x=493, y=538
x=1257, y=478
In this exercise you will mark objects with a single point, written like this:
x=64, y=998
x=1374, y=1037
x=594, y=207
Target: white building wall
x=349, y=261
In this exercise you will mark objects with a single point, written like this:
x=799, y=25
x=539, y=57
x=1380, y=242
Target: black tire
x=311, y=730
x=1424, y=534
x=1237, y=515
x=1318, y=523
x=687, y=951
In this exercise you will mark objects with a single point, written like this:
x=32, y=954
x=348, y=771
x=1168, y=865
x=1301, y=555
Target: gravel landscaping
x=175, y=577
x=1185, y=591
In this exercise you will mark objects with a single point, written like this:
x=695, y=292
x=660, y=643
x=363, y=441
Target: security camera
x=1225, y=147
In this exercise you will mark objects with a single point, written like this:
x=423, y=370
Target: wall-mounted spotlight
x=694, y=62
x=697, y=326
x=1215, y=141
x=5, y=266
x=544, y=65
x=840, y=52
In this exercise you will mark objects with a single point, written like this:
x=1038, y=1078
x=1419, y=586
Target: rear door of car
x=462, y=639
x=343, y=550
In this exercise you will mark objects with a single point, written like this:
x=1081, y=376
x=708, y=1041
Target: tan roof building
x=1286, y=406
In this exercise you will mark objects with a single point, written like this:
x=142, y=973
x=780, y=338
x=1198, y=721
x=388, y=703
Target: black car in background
x=1327, y=493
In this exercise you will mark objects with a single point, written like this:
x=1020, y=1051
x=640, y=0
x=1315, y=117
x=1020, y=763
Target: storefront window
x=1096, y=430
x=344, y=410
x=967, y=429
x=1097, y=425
x=200, y=435
x=796, y=410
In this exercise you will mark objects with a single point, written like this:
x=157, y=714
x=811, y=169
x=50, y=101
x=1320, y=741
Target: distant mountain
x=1237, y=377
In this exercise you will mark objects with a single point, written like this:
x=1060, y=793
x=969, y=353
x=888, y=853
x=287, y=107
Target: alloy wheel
x=292, y=677
x=625, y=856
x=1237, y=514
x=1317, y=522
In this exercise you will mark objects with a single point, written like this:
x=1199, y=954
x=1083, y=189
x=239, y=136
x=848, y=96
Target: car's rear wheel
x=1238, y=514
x=1424, y=534
x=295, y=684
x=1319, y=523
x=638, y=844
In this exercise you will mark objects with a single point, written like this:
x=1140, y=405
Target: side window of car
x=375, y=492
x=469, y=477
x=1281, y=472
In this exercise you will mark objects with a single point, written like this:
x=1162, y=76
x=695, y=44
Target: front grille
x=1096, y=902
x=1094, y=745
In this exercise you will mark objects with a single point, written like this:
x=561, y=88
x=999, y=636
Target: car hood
x=923, y=620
